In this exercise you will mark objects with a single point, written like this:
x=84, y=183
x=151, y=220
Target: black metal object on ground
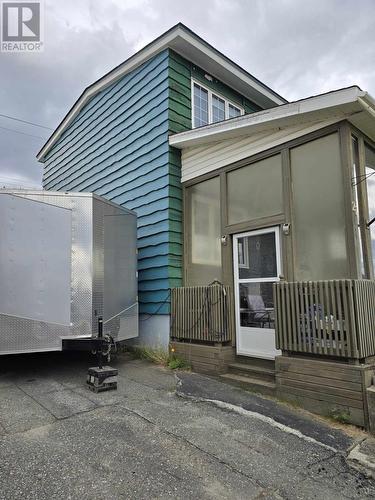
x=101, y=378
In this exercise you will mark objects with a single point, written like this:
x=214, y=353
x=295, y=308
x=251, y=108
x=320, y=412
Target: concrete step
x=266, y=373
x=250, y=384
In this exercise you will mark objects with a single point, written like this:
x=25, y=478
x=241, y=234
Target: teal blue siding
x=118, y=148
x=181, y=72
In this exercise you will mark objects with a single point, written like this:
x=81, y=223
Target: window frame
x=211, y=93
x=195, y=258
x=244, y=262
x=362, y=209
x=367, y=215
x=265, y=222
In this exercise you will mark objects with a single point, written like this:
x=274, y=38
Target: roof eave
x=185, y=42
x=342, y=102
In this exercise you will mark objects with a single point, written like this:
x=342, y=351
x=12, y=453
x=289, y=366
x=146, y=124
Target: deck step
x=249, y=383
x=249, y=360
x=251, y=370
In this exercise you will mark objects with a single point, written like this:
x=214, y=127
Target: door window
x=257, y=256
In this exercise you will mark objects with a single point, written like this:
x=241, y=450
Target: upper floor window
x=209, y=107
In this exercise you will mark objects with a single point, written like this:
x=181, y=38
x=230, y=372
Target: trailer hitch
x=102, y=378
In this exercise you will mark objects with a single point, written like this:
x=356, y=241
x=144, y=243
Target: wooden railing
x=333, y=318
x=202, y=314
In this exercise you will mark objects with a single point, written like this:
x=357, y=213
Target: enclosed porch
x=278, y=223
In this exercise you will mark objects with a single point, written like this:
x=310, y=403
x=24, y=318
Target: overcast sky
x=297, y=47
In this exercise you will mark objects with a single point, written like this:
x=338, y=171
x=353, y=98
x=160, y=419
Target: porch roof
x=351, y=103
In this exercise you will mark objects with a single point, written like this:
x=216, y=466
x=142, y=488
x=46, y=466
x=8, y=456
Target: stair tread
x=251, y=368
x=248, y=380
x=249, y=360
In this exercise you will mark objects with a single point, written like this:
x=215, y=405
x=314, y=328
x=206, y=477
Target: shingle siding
x=181, y=72
x=118, y=147
x=179, y=120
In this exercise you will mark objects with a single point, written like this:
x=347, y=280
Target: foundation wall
x=327, y=388
x=205, y=358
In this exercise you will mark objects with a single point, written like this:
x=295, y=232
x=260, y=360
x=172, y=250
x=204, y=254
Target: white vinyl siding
x=211, y=107
x=200, y=160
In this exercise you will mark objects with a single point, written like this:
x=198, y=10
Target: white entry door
x=257, y=265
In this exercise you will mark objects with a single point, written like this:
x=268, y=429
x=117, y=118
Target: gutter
x=333, y=100
x=370, y=108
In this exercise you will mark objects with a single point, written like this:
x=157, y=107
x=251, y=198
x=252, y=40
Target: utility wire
x=12, y=180
x=25, y=121
x=362, y=178
x=23, y=133
x=7, y=178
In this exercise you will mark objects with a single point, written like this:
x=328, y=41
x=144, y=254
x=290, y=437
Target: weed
x=292, y=403
x=157, y=355
x=176, y=363
x=340, y=415
x=161, y=357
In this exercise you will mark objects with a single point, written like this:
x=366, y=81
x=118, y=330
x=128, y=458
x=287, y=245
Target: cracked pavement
x=59, y=440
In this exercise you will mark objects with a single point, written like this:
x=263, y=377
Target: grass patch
x=292, y=403
x=161, y=357
x=158, y=356
x=176, y=363
x=339, y=415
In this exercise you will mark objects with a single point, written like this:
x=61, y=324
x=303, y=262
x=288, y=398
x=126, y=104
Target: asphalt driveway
x=59, y=440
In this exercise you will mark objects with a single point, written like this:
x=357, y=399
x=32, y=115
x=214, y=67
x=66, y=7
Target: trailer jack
x=102, y=378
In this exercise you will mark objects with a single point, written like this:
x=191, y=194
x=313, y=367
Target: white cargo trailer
x=66, y=259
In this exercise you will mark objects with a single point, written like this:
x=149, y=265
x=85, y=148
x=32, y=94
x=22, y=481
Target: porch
x=280, y=207
x=324, y=334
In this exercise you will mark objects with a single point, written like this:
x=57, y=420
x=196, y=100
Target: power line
x=23, y=133
x=8, y=178
x=18, y=185
x=362, y=178
x=25, y=121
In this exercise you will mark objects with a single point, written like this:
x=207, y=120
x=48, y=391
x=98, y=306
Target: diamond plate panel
x=80, y=205
x=19, y=335
x=89, y=215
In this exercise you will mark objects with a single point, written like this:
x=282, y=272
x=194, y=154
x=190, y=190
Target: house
x=256, y=233
x=114, y=142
